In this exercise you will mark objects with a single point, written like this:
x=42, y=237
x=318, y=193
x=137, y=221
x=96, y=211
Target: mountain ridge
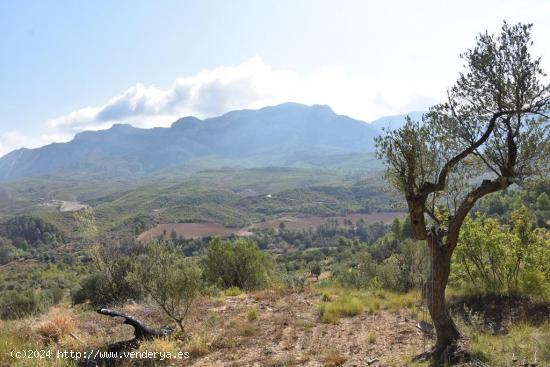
x=270, y=135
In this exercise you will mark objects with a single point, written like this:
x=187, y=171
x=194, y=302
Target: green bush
x=169, y=278
x=495, y=257
x=359, y=274
x=15, y=304
x=109, y=284
x=237, y=264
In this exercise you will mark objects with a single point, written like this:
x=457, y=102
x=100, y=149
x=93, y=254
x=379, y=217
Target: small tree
x=315, y=270
x=490, y=133
x=170, y=279
x=237, y=264
x=108, y=285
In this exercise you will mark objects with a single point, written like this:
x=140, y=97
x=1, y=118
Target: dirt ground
x=288, y=332
x=192, y=230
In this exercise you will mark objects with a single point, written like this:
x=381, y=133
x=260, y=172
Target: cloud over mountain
x=251, y=84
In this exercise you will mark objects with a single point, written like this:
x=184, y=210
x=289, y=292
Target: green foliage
x=232, y=291
x=253, y=314
x=406, y=268
x=109, y=284
x=237, y=264
x=497, y=257
x=25, y=229
x=8, y=252
x=169, y=278
x=360, y=274
x=394, y=262
x=315, y=269
x=15, y=304
x=343, y=306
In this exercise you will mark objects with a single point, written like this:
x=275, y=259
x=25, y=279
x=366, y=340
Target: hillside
x=289, y=134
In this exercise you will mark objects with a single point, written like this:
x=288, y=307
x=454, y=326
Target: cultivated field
x=197, y=230
x=192, y=230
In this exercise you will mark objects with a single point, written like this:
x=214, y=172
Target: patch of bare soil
x=192, y=230
x=288, y=332
x=71, y=206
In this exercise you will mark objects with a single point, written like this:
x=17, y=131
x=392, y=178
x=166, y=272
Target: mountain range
x=280, y=135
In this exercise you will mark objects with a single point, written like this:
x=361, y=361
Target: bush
x=237, y=264
x=170, y=279
x=15, y=304
x=109, y=285
x=358, y=275
x=503, y=258
x=315, y=269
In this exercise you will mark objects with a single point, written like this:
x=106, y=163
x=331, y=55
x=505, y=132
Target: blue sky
x=69, y=66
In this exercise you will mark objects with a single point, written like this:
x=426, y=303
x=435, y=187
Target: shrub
x=109, y=285
x=359, y=274
x=237, y=264
x=170, y=279
x=495, y=257
x=15, y=304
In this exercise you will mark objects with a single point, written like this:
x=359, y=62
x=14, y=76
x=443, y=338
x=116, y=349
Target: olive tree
x=490, y=133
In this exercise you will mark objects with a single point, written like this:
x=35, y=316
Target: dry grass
x=55, y=325
x=333, y=358
x=160, y=345
x=197, y=346
x=523, y=342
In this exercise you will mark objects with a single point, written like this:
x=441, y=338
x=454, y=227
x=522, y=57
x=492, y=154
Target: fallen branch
x=141, y=331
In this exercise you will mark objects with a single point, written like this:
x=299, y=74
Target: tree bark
x=446, y=330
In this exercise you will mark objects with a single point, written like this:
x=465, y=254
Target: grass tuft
x=232, y=292
x=253, y=314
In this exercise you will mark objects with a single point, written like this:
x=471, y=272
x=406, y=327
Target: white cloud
x=252, y=84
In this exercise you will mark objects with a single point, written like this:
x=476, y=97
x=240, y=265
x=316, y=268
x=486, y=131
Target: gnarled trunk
x=434, y=294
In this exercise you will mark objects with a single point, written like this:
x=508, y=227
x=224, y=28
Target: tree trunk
x=434, y=293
